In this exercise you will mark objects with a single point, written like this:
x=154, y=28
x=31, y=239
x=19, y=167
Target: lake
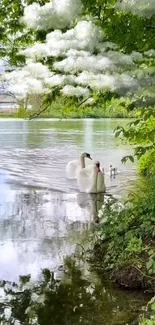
x=42, y=214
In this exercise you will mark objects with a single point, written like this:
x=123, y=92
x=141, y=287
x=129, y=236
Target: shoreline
x=63, y=113
x=124, y=247
x=15, y=116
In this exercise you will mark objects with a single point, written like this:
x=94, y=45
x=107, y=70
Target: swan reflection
x=91, y=202
x=37, y=229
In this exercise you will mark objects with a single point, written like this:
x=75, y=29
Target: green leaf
x=149, y=264
x=117, y=134
x=131, y=158
x=124, y=159
x=152, y=304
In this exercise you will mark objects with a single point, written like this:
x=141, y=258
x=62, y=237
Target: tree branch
x=83, y=101
x=36, y=114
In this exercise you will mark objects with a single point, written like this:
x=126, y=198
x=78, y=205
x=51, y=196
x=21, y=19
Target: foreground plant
x=151, y=311
x=126, y=237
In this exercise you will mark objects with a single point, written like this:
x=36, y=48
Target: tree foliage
x=124, y=33
x=140, y=132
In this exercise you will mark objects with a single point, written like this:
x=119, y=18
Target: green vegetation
x=147, y=163
x=127, y=237
x=60, y=108
x=57, y=110
x=126, y=233
x=16, y=36
x=151, y=311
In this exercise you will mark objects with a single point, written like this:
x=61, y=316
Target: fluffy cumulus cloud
x=137, y=7
x=54, y=14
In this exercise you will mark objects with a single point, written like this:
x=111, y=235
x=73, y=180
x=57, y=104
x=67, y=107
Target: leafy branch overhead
x=90, y=50
x=140, y=133
x=75, y=43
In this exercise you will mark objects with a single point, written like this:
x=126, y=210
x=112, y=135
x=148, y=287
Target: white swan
x=113, y=171
x=74, y=166
x=92, y=183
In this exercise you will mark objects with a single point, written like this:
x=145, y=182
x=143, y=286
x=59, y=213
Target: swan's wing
x=72, y=169
x=100, y=183
x=84, y=180
x=88, y=170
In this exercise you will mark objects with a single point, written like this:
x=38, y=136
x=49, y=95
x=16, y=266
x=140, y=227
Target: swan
x=113, y=171
x=74, y=166
x=92, y=183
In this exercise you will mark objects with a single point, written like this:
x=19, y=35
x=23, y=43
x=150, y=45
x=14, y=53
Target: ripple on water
x=43, y=217
x=42, y=214
x=46, y=168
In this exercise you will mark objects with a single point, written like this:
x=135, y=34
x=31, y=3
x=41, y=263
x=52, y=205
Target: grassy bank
x=126, y=238
x=57, y=110
x=125, y=245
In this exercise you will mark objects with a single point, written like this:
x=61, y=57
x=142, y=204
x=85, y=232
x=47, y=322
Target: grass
x=125, y=237
x=57, y=110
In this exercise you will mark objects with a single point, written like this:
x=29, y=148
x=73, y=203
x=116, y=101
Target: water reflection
x=42, y=215
x=34, y=226
x=76, y=299
x=91, y=202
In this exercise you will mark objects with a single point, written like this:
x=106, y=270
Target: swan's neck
x=94, y=181
x=82, y=161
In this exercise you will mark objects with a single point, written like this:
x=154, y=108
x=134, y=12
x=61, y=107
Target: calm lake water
x=42, y=214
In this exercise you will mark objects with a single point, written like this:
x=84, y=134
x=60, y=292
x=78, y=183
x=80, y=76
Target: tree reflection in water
x=73, y=300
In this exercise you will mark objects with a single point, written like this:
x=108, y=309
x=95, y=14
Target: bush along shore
x=125, y=244
x=59, y=110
